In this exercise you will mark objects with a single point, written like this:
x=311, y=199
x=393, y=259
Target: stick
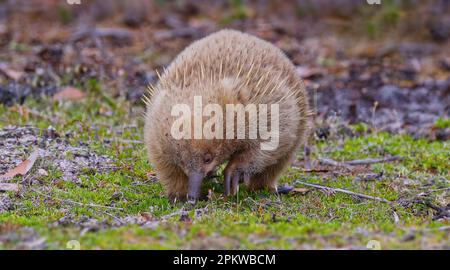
x=178, y=212
x=344, y=191
x=332, y=162
x=367, y=161
x=348, y=164
x=118, y=33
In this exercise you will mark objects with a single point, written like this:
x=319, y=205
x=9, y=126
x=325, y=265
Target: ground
x=118, y=202
x=92, y=184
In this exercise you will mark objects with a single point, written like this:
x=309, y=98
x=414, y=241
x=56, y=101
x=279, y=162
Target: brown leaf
x=9, y=187
x=69, y=93
x=42, y=172
x=22, y=168
x=11, y=73
x=105, y=111
x=22, y=110
x=301, y=191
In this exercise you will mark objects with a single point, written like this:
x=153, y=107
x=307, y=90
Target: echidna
x=226, y=67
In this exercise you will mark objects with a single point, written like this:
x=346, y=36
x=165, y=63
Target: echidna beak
x=194, y=186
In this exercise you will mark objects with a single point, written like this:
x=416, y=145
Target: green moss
x=442, y=123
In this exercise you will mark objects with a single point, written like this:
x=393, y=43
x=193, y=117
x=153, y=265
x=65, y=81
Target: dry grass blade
x=368, y=161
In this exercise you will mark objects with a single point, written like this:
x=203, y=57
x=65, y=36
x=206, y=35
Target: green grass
x=247, y=221
x=442, y=123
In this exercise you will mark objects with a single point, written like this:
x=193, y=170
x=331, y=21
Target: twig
x=349, y=163
x=75, y=202
x=178, y=212
x=437, y=190
x=332, y=162
x=177, y=33
x=343, y=191
x=367, y=161
x=121, y=34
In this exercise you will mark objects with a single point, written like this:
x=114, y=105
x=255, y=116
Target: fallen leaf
x=22, y=110
x=22, y=168
x=308, y=72
x=287, y=189
x=103, y=110
x=146, y=217
x=9, y=187
x=11, y=73
x=42, y=172
x=69, y=93
x=301, y=191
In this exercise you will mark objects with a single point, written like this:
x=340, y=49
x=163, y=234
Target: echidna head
x=171, y=131
x=198, y=159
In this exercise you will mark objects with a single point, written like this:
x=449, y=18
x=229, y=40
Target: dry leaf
x=307, y=72
x=22, y=168
x=103, y=110
x=9, y=187
x=287, y=189
x=301, y=191
x=69, y=93
x=11, y=73
x=42, y=172
x=22, y=110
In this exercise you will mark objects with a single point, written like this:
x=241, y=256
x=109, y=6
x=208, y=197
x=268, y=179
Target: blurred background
x=386, y=65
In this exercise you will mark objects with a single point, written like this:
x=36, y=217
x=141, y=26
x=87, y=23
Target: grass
x=247, y=221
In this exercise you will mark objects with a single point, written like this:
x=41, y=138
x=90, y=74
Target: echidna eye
x=207, y=158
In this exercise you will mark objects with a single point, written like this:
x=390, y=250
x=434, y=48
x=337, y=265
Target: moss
x=442, y=123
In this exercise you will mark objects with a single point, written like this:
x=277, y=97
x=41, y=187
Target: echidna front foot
x=236, y=171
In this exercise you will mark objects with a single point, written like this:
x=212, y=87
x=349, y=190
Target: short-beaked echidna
x=226, y=67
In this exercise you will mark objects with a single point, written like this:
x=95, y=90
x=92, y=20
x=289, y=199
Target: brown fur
x=227, y=67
